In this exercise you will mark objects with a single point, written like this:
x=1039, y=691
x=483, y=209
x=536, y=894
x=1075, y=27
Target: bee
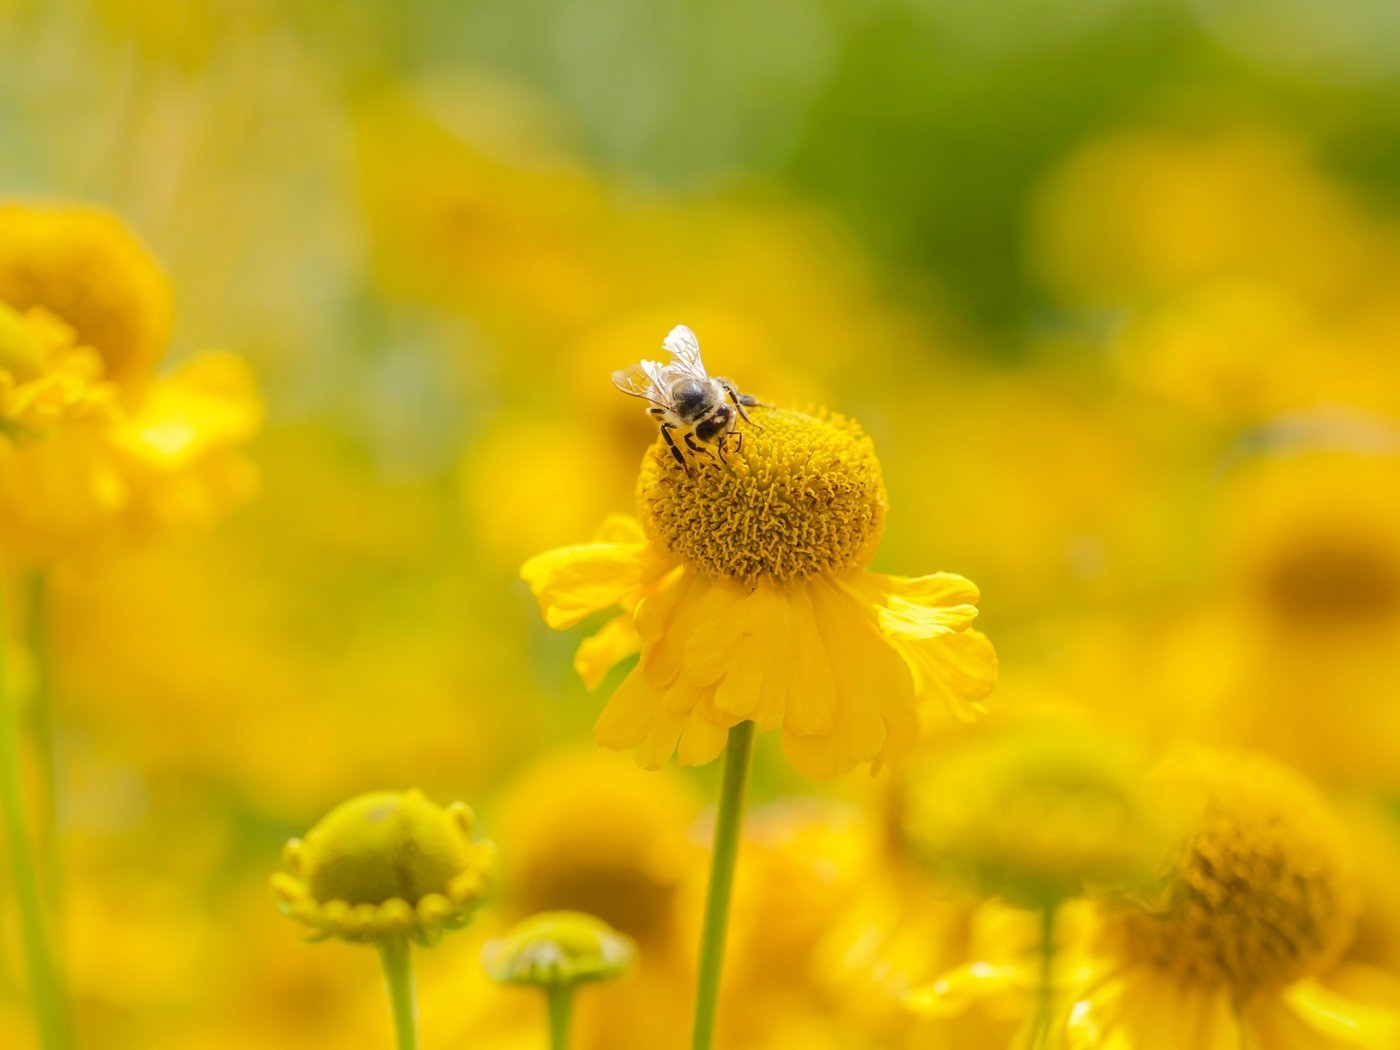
x=689, y=402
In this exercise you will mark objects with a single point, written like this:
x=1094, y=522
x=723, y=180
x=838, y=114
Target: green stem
x=394, y=952
x=560, y=1001
x=41, y=714
x=46, y=991
x=728, y=819
x=1046, y=992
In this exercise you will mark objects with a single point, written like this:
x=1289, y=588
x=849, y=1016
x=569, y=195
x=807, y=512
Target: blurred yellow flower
x=1259, y=900
x=84, y=266
x=1037, y=813
x=384, y=865
x=744, y=587
x=1308, y=613
x=166, y=451
x=585, y=830
x=558, y=948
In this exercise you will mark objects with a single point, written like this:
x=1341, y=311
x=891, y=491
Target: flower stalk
x=728, y=821
x=1045, y=992
x=41, y=717
x=46, y=990
x=394, y=953
x=560, y=1003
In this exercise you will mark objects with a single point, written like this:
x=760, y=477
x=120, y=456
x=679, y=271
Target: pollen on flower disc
x=1262, y=892
x=801, y=497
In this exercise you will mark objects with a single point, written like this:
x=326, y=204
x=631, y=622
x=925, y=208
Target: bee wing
x=685, y=352
x=642, y=380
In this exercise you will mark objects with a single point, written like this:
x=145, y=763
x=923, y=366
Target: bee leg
x=695, y=449
x=741, y=401
x=666, y=429
x=726, y=449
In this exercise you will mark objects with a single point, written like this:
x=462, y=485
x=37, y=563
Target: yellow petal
x=722, y=618
x=812, y=711
x=701, y=741
x=1270, y=1024
x=628, y=716
x=661, y=739
x=918, y=607
x=620, y=528
x=574, y=582
x=667, y=620
x=760, y=626
x=958, y=669
x=872, y=691
x=598, y=653
x=1346, y=1019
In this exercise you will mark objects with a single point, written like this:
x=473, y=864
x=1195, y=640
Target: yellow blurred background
x=1114, y=287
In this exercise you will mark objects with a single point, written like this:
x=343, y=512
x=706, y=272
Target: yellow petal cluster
x=47, y=379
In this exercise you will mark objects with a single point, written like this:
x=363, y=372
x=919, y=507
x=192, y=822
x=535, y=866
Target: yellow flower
x=744, y=588
x=558, y=948
x=1259, y=900
x=162, y=452
x=82, y=265
x=588, y=831
x=1309, y=608
x=1037, y=813
x=385, y=865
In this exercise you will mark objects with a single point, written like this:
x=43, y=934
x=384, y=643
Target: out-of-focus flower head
x=1037, y=812
x=1296, y=655
x=1259, y=899
x=744, y=586
x=585, y=830
x=558, y=949
x=386, y=864
x=1312, y=542
x=167, y=452
x=83, y=265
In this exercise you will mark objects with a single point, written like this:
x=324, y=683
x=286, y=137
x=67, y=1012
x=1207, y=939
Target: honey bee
x=688, y=401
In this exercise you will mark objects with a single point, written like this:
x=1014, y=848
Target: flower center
x=802, y=496
x=1260, y=894
x=1333, y=580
